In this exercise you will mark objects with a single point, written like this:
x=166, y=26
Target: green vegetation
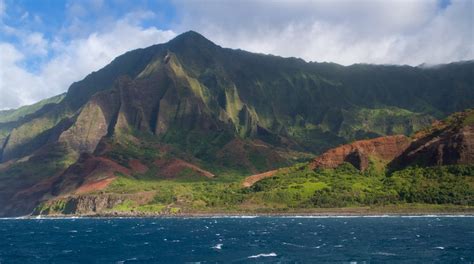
x=364, y=123
x=299, y=188
x=15, y=114
x=469, y=119
x=131, y=206
x=345, y=186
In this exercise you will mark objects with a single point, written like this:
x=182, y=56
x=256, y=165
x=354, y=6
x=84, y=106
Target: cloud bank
x=341, y=31
x=72, y=61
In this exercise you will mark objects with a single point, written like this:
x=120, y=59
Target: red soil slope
x=173, y=168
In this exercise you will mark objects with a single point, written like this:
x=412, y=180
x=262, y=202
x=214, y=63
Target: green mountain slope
x=15, y=114
x=327, y=182
x=190, y=108
x=10, y=119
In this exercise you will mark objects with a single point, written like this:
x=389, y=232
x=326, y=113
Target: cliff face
x=91, y=204
x=446, y=143
x=360, y=152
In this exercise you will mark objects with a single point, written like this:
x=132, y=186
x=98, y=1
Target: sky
x=45, y=45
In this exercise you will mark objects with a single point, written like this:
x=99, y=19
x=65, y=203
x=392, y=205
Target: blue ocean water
x=239, y=240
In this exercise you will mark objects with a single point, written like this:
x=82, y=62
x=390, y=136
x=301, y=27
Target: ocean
x=429, y=239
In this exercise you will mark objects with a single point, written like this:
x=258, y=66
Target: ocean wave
x=263, y=255
x=218, y=246
x=230, y=216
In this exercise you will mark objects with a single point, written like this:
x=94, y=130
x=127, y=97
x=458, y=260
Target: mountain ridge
x=218, y=109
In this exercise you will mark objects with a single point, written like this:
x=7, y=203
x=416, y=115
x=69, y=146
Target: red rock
x=447, y=143
x=359, y=152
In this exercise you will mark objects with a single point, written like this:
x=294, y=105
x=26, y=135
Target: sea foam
x=263, y=255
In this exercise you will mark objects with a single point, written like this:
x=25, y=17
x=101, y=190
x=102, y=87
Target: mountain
x=191, y=110
x=12, y=118
x=434, y=166
x=446, y=142
x=387, y=172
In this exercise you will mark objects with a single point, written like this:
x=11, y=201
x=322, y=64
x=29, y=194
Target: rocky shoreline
x=332, y=212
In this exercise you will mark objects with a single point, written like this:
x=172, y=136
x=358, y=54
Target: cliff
x=361, y=152
x=448, y=142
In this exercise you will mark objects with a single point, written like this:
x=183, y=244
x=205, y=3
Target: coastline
x=320, y=212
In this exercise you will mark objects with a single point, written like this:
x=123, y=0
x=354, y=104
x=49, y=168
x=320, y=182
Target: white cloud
x=72, y=62
x=13, y=79
x=342, y=31
x=36, y=43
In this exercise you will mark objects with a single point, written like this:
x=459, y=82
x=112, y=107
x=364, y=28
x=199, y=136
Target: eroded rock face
x=88, y=129
x=452, y=144
x=466, y=147
x=359, y=152
x=446, y=142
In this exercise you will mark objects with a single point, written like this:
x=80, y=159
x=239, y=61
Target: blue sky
x=48, y=44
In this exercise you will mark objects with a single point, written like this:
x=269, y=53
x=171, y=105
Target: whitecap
x=263, y=255
x=218, y=246
x=439, y=248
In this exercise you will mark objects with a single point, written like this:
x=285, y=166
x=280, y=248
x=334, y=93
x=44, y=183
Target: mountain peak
x=191, y=34
x=190, y=38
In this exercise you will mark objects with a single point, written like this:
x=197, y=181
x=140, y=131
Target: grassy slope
x=15, y=118
x=15, y=114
